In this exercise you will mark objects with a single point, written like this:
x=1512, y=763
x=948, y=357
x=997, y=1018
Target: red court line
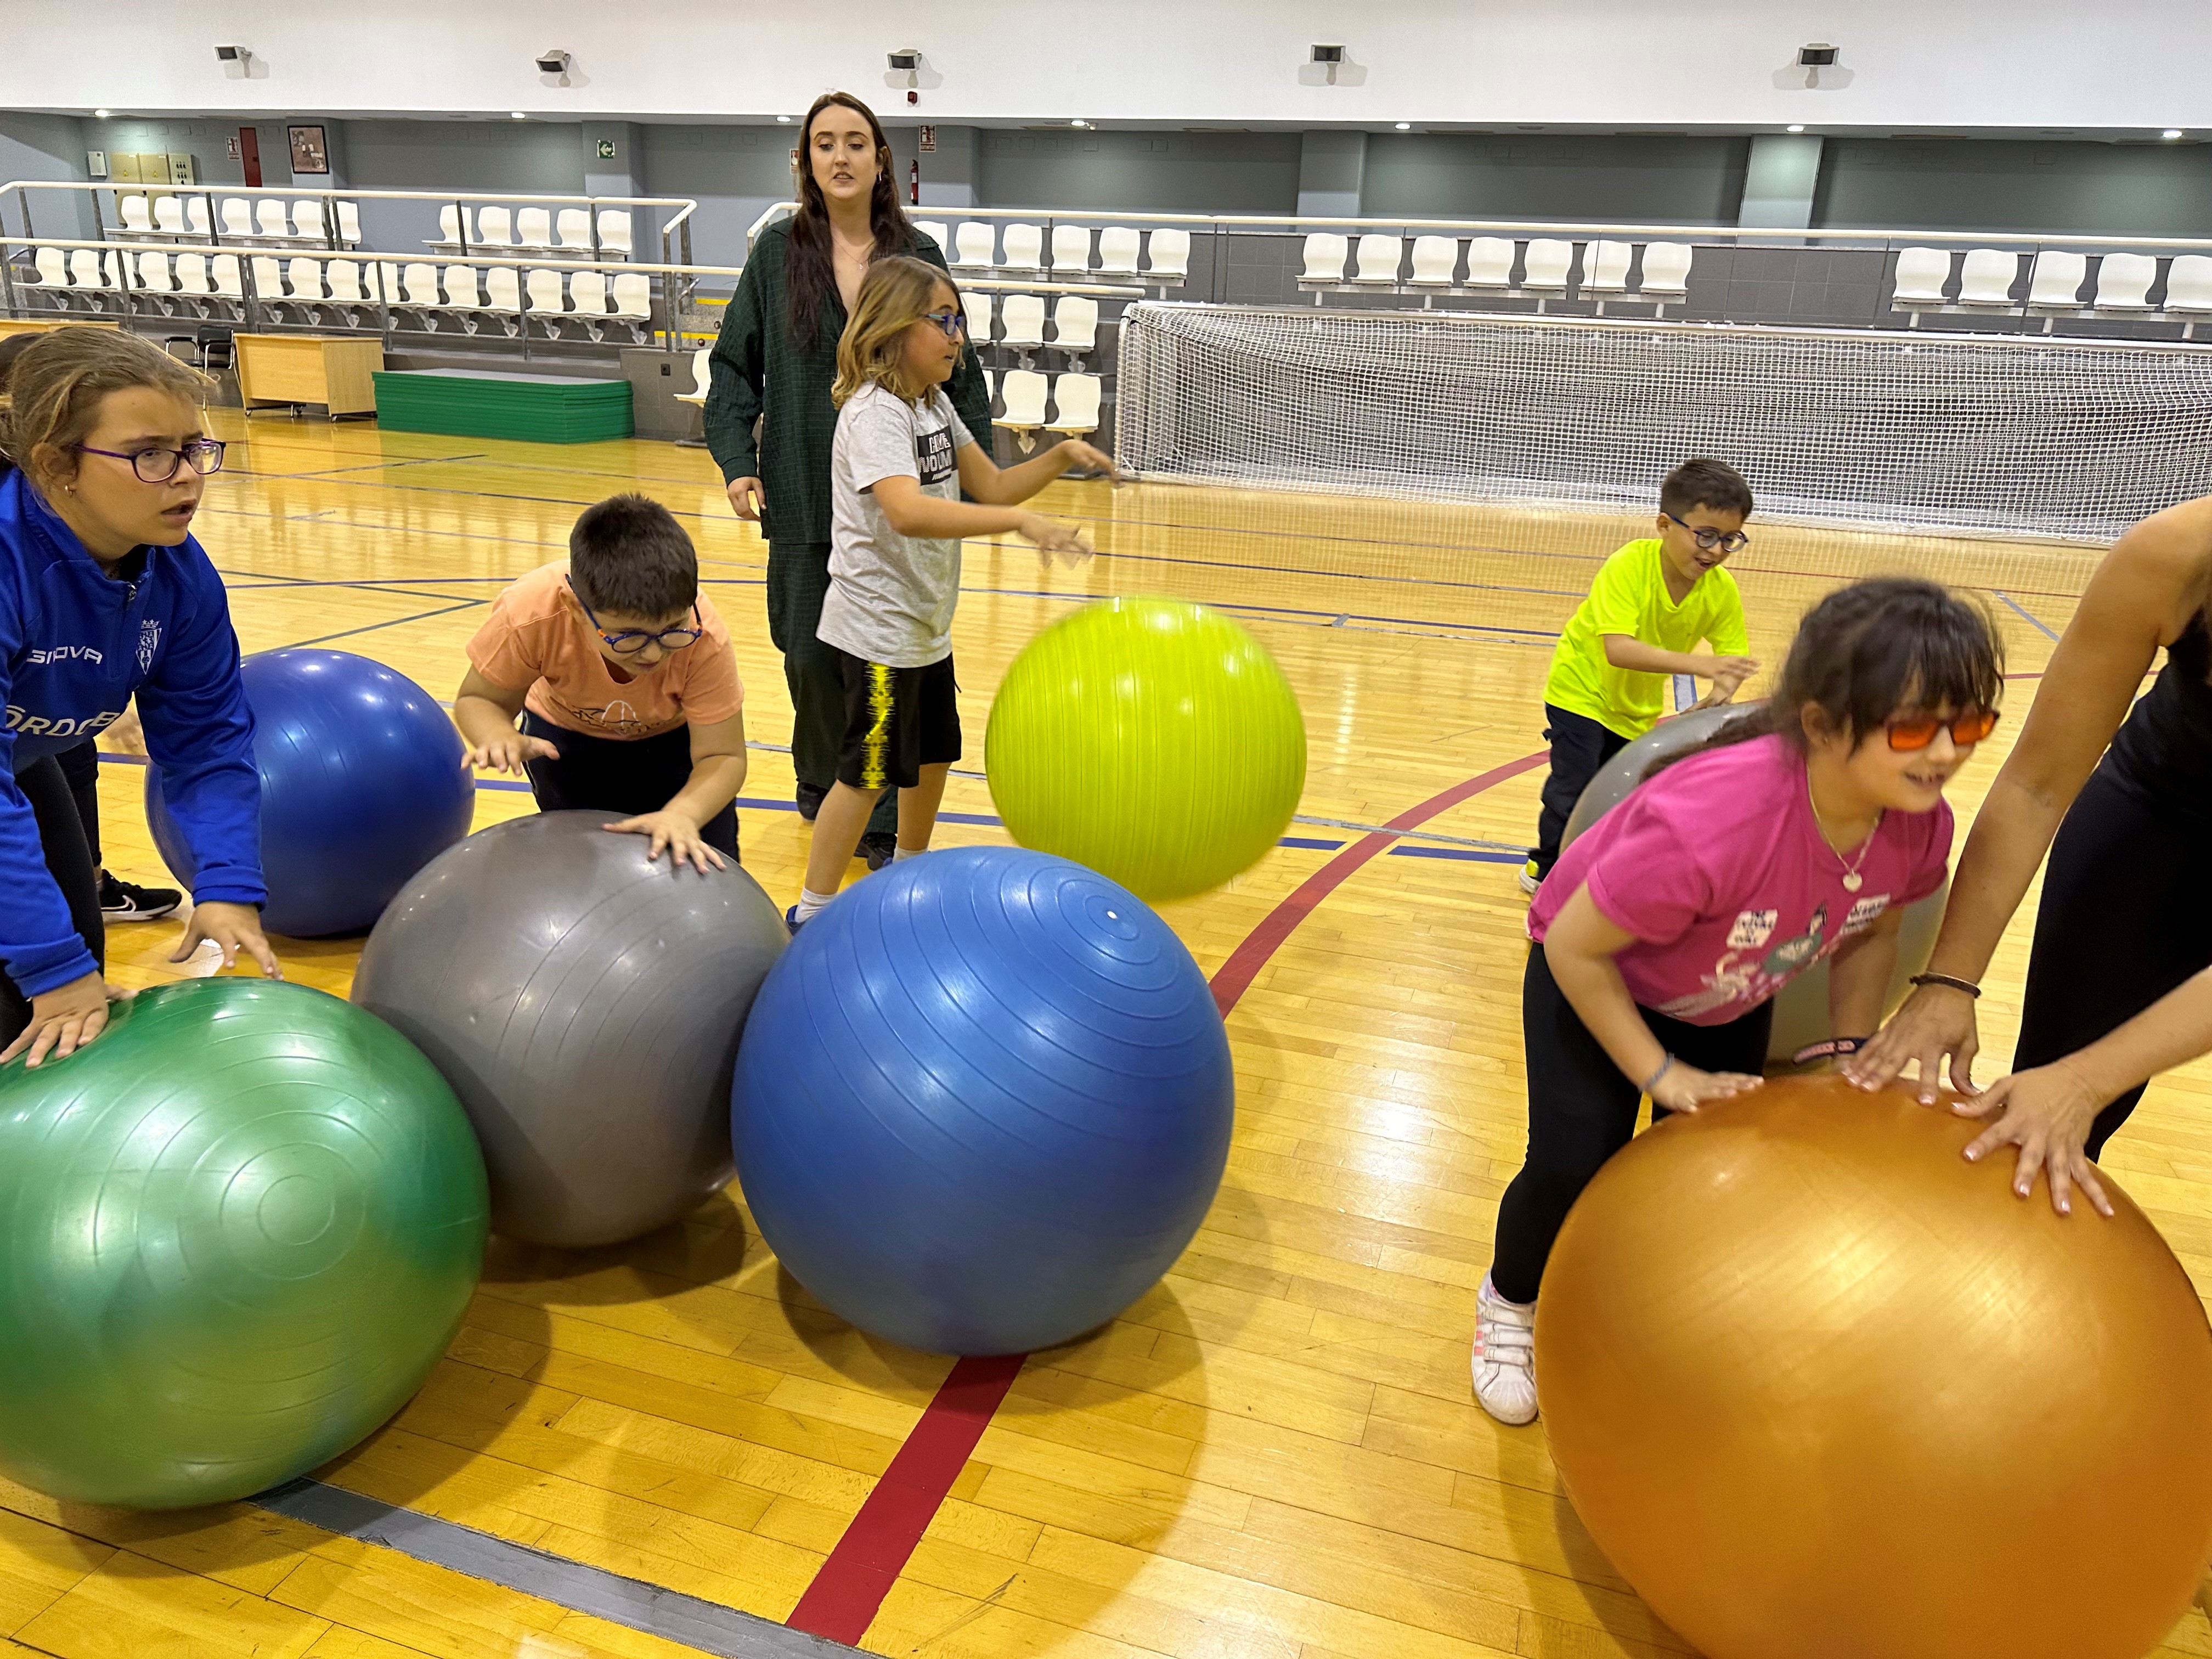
x=850, y=1587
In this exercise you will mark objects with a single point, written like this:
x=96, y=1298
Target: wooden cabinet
x=336, y=372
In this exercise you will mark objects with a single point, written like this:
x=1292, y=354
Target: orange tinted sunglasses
x=1967, y=729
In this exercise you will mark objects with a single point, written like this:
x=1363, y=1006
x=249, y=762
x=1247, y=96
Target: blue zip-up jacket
x=76, y=645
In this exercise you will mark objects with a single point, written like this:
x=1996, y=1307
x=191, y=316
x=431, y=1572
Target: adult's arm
x=735, y=377
x=971, y=394
x=2138, y=600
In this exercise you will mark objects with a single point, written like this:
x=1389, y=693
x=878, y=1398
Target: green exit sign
x=607, y=149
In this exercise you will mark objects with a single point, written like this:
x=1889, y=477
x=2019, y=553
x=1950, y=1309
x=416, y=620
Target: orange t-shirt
x=535, y=637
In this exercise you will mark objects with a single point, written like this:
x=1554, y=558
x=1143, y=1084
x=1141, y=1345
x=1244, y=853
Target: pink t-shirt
x=1718, y=868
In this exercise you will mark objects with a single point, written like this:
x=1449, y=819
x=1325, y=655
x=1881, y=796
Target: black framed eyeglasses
x=954, y=322
x=1730, y=541
x=202, y=455
x=631, y=640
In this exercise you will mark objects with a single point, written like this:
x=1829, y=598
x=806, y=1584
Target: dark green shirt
x=758, y=370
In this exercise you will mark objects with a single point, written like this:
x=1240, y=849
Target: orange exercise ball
x=1820, y=1389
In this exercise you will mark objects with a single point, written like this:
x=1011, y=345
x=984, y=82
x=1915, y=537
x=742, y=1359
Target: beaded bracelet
x=1830, y=1048
x=1651, y=1082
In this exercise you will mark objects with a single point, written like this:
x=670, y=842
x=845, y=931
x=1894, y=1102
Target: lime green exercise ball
x=236, y=1234
x=1153, y=740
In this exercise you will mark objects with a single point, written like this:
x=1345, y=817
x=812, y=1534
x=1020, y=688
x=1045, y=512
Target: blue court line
x=2030, y=617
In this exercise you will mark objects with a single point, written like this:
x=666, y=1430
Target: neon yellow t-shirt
x=1630, y=596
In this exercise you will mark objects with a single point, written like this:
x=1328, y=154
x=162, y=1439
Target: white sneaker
x=1504, y=1355
x=1529, y=880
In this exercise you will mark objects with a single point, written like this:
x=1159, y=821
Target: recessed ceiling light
x=1079, y=122
x=783, y=120
x=1405, y=126
x=517, y=115
x=2171, y=132
x=1797, y=127
x=102, y=115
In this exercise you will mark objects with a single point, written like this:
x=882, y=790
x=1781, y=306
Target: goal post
x=2024, y=436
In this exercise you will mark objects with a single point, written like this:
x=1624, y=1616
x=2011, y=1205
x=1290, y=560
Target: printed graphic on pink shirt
x=1747, y=973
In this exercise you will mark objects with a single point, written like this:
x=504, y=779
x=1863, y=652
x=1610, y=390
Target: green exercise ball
x=235, y=1233
x=1153, y=740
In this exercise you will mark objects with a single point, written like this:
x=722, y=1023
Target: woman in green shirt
x=775, y=358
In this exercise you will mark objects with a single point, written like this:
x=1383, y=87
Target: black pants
x=70, y=860
x=81, y=766
x=798, y=581
x=611, y=774
x=2126, y=917
x=1582, y=1111
x=1579, y=747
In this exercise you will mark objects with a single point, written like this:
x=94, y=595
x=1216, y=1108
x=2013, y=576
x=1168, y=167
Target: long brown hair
x=894, y=296
x=809, y=269
x=54, y=385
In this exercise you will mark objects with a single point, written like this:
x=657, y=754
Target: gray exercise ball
x=1801, y=1008
x=586, y=1006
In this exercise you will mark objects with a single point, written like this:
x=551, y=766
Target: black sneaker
x=878, y=848
x=809, y=797
x=123, y=901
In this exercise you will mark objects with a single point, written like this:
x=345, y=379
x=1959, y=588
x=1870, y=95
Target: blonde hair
x=894, y=296
x=55, y=383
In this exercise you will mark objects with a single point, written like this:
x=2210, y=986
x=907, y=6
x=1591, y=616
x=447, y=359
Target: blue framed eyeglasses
x=1729, y=541
x=631, y=640
x=954, y=322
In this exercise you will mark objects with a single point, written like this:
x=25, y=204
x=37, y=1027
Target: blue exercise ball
x=982, y=1102
x=361, y=784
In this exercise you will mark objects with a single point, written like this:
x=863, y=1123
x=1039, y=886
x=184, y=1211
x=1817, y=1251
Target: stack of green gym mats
x=545, y=409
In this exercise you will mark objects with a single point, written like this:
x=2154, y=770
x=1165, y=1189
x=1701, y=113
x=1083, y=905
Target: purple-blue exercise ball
x=361, y=784
x=982, y=1102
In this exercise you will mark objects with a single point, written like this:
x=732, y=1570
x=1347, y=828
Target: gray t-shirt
x=891, y=596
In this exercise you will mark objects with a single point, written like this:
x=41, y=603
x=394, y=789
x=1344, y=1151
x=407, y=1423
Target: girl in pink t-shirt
x=1801, y=831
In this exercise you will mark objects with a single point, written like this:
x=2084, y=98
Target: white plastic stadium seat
x=1021, y=321
x=303, y=279
x=452, y=224
x=935, y=230
x=1170, y=261
x=137, y=215
x=974, y=244
x=53, y=266
x=268, y=273
x=462, y=292
x=84, y=269
x=1325, y=253
x=546, y=294
x=614, y=231
x=237, y=216
x=978, y=307
x=192, y=274
x=503, y=290
x=1023, y=391
x=349, y=223
x=1379, y=258
x=1117, y=251
x=1071, y=250
x=2056, y=284
x=307, y=221
x=419, y=283
x=1075, y=323
x=119, y=273
x=228, y=276
x=2188, y=285
x=495, y=226
x=1666, y=269
x=1605, y=267
x=633, y=296
x=2124, y=282
x=574, y=227
x=1921, y=274
x=1490, y=262
x=587, y=293
x=1549, y=261
x=269, y=213
x=169, y=215
x=1436, y=261
x=154, y=273
x=343, y=278
x=1075, y=405
x=699, y=372
x=196, y=214
x=1023, y=248
x=533, y=227
x=1988, y=276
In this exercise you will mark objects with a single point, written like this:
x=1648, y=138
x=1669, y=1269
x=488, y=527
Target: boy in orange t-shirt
x=623, y=678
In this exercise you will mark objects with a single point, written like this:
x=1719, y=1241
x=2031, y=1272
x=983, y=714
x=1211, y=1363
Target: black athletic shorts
x=897, y=721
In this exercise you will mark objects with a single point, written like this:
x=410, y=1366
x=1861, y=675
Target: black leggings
x=81, y=766
x=1582, y=1111
x=631, y=777
x=1580, y=749
x=2126, y=917
x=798, y=582
x=70, y=860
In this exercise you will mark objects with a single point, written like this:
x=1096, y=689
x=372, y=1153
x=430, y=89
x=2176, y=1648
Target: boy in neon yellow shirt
x=1652, y=602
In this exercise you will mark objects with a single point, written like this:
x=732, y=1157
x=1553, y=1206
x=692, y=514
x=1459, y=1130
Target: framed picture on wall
x=308, y=154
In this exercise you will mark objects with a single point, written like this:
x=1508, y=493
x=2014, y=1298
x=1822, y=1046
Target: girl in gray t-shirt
x=900, y=462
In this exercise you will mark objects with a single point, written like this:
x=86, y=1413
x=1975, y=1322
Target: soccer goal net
x=1981, y=435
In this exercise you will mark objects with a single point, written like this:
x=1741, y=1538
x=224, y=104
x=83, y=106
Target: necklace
x=1853, y=880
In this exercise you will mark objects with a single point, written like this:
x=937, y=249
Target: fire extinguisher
x=913, y=183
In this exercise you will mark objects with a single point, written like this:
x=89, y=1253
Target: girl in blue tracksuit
x=105, y=596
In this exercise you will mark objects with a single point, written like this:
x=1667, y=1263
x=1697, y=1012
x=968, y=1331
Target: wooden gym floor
x=1275, y=1454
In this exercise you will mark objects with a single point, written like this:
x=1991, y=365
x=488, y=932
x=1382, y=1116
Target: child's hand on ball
x=1684, y=1088
x=509, y=753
